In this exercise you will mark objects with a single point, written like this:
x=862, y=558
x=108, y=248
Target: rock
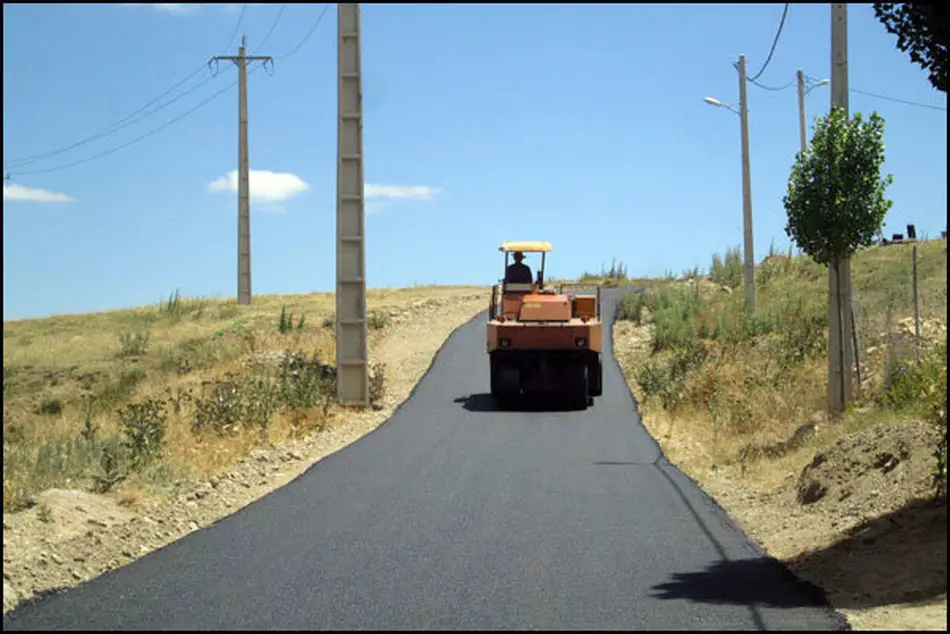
x=810, y=492
x=76, y=575
x=56, y=559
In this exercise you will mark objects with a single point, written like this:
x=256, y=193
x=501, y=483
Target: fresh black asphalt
x=452, y=515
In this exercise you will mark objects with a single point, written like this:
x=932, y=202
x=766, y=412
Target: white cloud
x=166, y=7
x=29, y=194
x=378, y=197
x=418, y=192
x=177, y=9
x=264, y=185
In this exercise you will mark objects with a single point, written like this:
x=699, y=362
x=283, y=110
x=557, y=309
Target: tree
x=835, y=205
x=921, y=29
x=835, y=201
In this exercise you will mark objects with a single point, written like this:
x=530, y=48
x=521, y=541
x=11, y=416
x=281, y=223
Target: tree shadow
x=487, y=403
x=759, y=581
x=900, y=557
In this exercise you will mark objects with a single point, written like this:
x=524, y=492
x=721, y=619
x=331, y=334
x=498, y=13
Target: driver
x=518, y=272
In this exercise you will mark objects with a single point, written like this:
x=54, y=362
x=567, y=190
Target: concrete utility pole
x=244, y=195
x=801, y=110
x=749, y=265
x=840, y=350
x=351, y=346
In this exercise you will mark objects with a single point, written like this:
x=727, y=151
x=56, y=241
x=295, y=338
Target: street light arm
x=715, y=102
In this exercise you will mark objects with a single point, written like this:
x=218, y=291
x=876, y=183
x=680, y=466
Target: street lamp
x=802, y=91
x=748, y=267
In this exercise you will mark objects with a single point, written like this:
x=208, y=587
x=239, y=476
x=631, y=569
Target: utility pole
x=352, y=359
x=840, y=350
x=801, y=110
x=244, y=194
x=749, y=265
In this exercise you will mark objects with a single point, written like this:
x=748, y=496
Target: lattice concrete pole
x=351, y=346
x=244, y=193
x=840, y=348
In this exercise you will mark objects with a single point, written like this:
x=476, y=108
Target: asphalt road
x=454, y=516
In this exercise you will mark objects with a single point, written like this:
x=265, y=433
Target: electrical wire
x=773, y=88
x=273, y=26
x=140, y=138
x=112, y=130
x=236, y=27
x=774, y=43
x=106, y=131
x=909, y=103
x=885, y=97
x=309, y=33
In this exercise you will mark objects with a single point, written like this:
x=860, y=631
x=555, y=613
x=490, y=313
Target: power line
x=774, y=43
x=273, y=26
x=105, y=132
x=885, y=97
x=307, y=37
x=773, y=88
x=140, y=138
x=115, y=128
x=236, y=27
x=909, y=103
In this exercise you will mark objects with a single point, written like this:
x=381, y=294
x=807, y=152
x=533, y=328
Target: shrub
x=377, y=319
x=728, y=271
x=51, y=407
x=144, y=425
x=223, y=409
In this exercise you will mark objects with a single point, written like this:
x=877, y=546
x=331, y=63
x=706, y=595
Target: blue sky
x=583, y=125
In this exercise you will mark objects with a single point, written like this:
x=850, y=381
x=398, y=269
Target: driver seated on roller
x=518, y=272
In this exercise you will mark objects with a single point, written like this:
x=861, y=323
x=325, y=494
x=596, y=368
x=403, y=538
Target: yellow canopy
x=525, y=247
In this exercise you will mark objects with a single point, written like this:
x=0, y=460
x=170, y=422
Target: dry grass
x=67, y=378
x=740, y=385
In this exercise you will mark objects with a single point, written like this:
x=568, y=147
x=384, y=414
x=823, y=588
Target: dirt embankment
x=851, y=511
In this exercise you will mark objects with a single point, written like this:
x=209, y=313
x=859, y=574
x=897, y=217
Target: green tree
x=921, y=30
x=835, y=201
x=835, y=205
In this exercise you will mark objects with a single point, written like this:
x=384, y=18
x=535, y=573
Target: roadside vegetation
x=141, y=398
x=753, y=388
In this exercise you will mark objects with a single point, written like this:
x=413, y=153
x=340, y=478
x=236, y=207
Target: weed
x=89, y=428
x=377, y=319
x=222, y=411
x=44, y=513
x=377, y=385
x=144, y=426
x=728, y=271
x=133, y=344
x=111, y=471
x=51, y=407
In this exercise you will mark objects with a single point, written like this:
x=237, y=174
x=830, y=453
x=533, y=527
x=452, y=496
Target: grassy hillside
x=856, y=506
x=145, y=396
x=755, y=380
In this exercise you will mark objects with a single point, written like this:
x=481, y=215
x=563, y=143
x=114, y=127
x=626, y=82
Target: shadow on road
x=487, y=403
x=761, y=581
x=897, y=558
